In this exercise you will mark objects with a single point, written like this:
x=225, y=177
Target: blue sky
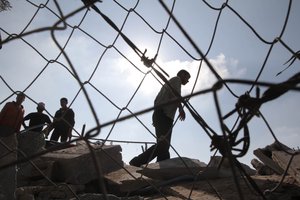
x=236, y=52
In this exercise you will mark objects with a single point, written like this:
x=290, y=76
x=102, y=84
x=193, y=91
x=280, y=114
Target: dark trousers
x=62, y=133
x=163, y=130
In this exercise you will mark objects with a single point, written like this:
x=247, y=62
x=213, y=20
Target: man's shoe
x=134, y=162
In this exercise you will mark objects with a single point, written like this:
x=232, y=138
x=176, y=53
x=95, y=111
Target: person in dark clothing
x=63, y=122
x=11, y=117
x=37, y=119
x=163, y=117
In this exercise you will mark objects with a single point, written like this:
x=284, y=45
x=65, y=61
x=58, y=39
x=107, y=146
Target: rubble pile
x=275, y=159
x=96, y=171
x=63, y=173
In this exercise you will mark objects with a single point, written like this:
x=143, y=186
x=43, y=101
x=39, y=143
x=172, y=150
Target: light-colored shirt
x=166, y=94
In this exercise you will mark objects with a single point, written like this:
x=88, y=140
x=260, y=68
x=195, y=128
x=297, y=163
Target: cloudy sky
x=237, y=40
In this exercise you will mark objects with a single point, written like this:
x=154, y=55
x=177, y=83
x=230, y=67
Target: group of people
x=166, y=104
x=12, y=118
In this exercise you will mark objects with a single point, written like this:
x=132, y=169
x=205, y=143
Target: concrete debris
x=224, y=166
x=275, y=158
x=29, y=143
x=172, y=168
x=267, y=161
x=61, y=191
x=126, y=180
x=261, y=169
x=282, y=158
x=176, y=167
x=77, y=165
x=96, y=171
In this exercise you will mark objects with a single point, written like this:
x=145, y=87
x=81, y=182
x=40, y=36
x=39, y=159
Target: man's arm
x=176, y=91
x=27, y=117
x=3, y=111
x=181, y=112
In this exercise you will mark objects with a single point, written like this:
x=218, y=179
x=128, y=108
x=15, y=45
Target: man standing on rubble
x=63, y=122
x=11, y=117
x=163, y=117
x=37, y=120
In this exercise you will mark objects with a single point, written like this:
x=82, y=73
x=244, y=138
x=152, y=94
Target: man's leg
x=145, y=157
x=163, y=145
x=163, y=130
x=64, y=136
x=163, y=150
x=159, y=150
x=55, y=135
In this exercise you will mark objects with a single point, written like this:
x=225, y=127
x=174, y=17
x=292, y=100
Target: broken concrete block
x=62, y=191
x=126, y=180
x=76, y=164
x=283, y=159
x=224, y=165
x=34, y=172
x=172, y=168
x=259, y=153
x=265, y=155
x=30, y=143
x=261, y=169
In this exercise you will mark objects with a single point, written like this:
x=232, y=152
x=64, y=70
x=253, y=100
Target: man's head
x=20, y=98
x=40, y=107
x=63, y=102
x=184, y=76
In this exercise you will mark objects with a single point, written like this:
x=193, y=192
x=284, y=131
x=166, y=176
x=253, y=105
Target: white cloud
x=225, y=67
x=288, y=135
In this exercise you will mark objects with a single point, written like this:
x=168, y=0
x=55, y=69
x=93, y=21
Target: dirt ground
x=226, y=189
x=211, y=189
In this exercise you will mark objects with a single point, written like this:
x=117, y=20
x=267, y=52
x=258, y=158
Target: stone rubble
x=78, y=172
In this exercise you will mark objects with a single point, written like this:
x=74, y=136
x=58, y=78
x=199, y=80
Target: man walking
x=163, y=117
